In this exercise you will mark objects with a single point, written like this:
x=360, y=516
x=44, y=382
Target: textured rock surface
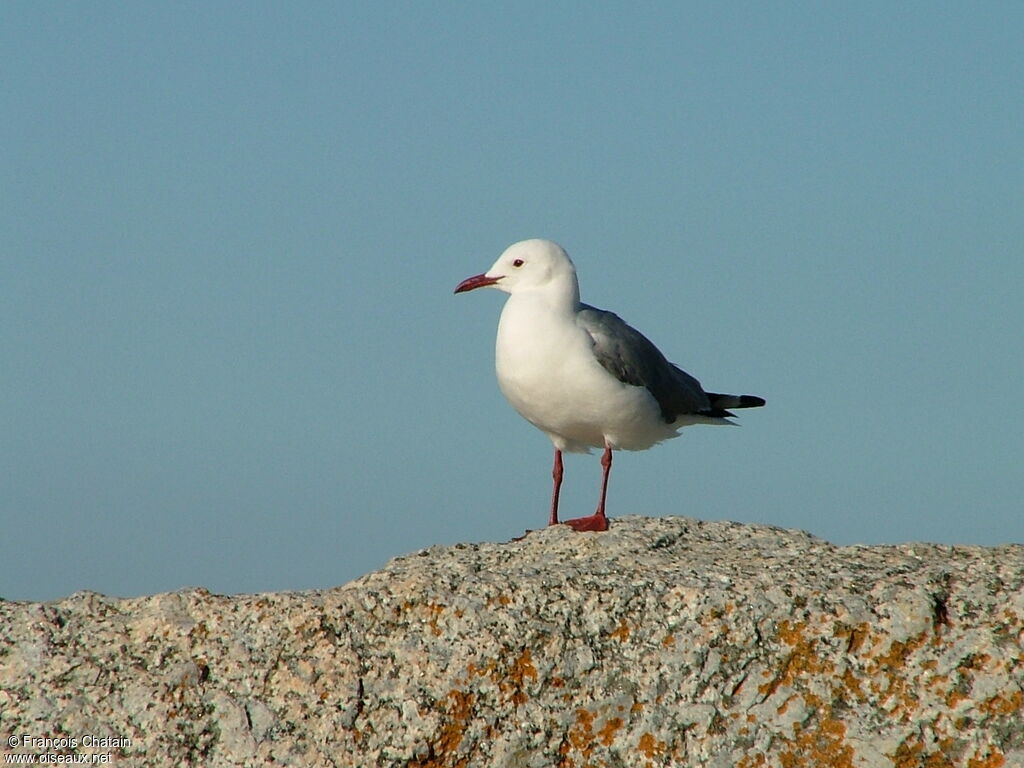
x=661, y=642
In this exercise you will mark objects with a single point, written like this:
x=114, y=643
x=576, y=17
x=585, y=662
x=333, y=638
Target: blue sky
x=231, y=353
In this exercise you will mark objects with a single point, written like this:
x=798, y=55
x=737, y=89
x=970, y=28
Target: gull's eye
x=517, y=263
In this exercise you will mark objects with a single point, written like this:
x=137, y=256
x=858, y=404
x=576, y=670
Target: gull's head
x=530, y=264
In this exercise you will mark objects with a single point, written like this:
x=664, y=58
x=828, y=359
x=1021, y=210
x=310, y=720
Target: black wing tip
x=735, y=401
x=718, y=413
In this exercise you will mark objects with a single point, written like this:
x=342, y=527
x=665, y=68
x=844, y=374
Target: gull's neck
x=561, y=296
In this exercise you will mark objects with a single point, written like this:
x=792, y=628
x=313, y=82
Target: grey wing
x=629, y=356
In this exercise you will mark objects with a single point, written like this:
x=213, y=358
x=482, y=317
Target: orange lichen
x=752, y=761
x=822, y=745
x=458, y=713
x=976, y=661
x=791, y=632
x=911, y=754
x=995, y=759
x=899, y=652
x=1001, y=704
x=954, y=697
x=584, y=735
x=649, y=746
x=511, y=680
x=514, y=681
x=855, y=636
x=607, y=732
x=563, y=751
x=888, y=678
x=581, y=734
x=435, y=610
x=802, y=660
x=851, y=683
x=621, y=632
x=820, y=740
x=781, y=710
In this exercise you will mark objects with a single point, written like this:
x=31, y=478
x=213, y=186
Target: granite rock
x=662, y=642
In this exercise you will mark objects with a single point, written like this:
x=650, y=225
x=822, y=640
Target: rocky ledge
x=663, y=642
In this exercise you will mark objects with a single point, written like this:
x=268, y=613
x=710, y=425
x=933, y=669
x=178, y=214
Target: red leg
x=606, y=465
x=556, y=474
x=597, y=521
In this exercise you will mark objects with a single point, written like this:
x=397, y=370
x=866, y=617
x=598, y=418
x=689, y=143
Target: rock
x=661, y=642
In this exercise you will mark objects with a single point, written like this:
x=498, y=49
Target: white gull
x=583, y=376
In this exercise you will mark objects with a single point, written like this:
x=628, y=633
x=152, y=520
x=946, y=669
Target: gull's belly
x=554, y=382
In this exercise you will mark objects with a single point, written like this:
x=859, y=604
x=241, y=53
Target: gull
x=582, y=375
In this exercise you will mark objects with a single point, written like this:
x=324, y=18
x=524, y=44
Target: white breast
x=547, y=371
